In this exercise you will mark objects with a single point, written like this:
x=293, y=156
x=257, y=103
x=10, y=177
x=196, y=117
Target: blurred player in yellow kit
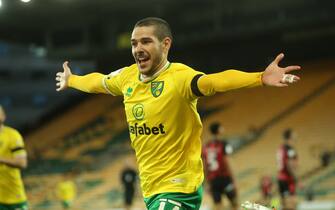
x=160, y=101
x=67, y=190
x=13, y=158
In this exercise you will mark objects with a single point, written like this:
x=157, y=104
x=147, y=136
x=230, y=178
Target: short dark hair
x=287, y=134
x=162, y=28
x=214, y=128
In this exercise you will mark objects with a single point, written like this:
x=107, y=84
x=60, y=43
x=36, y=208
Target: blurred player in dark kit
x=217, y=169
x=287, y=163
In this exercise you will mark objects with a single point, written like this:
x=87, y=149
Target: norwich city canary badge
x=157, y=88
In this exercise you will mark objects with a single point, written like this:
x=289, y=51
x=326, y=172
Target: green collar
x=165, y=67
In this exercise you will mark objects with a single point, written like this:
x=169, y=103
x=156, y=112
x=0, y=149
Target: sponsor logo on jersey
x=138, y=111
x=137, y=129
x=129, y=91
x=157, y=88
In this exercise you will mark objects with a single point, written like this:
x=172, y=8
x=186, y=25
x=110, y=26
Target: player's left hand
x=277, y=76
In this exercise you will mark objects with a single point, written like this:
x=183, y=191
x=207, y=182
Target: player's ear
x=167, y=43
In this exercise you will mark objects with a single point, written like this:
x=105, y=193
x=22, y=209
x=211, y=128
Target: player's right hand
x=62, y=78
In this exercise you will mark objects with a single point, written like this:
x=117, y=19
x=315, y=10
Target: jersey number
x=280, y=157
x=175, y=205
x=212, y=161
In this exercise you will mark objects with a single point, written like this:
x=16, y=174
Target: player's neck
x=145, y=78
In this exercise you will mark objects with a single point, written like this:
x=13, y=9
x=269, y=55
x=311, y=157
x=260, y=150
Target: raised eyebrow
x=141, y=39
x=146, y=38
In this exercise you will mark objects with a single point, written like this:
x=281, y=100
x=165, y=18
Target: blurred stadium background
x=88, y=134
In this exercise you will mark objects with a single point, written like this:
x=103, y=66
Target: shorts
x=18, y=206
x=66, y=204
x=222, y=185
x=175, y=201
x=286, y=187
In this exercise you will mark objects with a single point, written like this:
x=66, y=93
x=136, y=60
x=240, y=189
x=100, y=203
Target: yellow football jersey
x=164, y=127
x=66, y=190
x=11, y=185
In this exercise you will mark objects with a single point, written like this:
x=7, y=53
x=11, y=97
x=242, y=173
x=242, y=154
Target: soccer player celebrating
x=217, y=168
x=160, y=103
x=13, y=157
x=287, y=162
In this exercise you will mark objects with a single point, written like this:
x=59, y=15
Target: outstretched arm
x=233, y=79
x=16, y=162
x=90, y=83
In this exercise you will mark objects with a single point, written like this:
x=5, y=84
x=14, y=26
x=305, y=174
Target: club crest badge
x=157, y=88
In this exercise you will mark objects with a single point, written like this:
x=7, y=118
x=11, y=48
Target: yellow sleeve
x=90, y=83
x=98, y=83
x=228, y=80
x=113, y=82
x=17, y=147
x=184, y=79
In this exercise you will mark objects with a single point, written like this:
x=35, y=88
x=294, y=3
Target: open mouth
x=142, y=59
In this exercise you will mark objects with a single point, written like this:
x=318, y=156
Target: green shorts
x=66, y=204
x=18, y=206
x=175, y=201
